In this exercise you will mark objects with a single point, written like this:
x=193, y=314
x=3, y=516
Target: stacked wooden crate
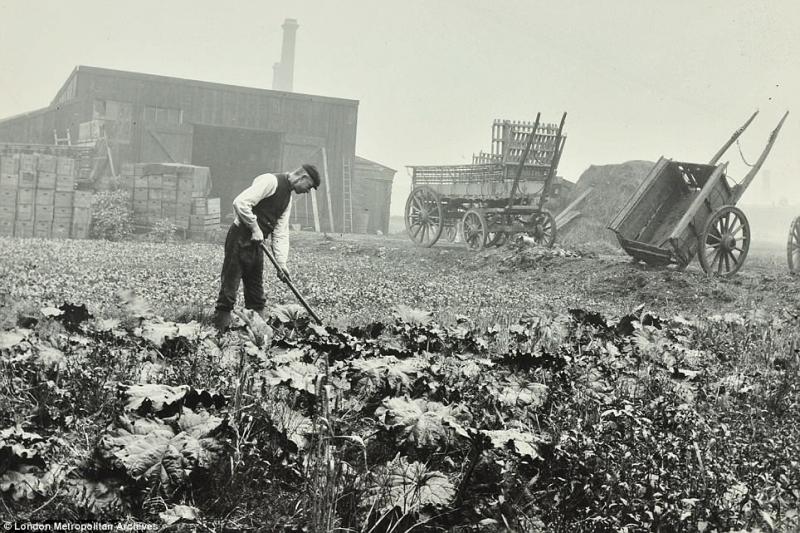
x=38, y=197
x=174, y=192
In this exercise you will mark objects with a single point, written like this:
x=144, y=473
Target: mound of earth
x=612, y=186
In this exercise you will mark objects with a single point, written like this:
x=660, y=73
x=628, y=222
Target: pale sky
x=638, y=78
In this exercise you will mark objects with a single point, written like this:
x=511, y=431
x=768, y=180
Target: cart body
x=684, y=209
x=502, y=190
x=662, y=222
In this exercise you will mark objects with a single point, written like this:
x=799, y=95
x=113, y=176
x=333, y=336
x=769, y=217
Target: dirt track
x=612, y=284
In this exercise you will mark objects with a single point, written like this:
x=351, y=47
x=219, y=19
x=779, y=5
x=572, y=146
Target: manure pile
x=612, y=186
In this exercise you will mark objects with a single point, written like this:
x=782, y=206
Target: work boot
x=222, y=320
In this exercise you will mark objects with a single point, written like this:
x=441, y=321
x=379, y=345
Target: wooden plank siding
x=206, y=104
x=372, y=194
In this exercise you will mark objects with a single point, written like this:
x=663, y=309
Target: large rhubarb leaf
x=296, y=375
x=165, y=454
x=386, y=373
x=407, y=486
x=522, y=442
x=420, y=422
x=166, y=400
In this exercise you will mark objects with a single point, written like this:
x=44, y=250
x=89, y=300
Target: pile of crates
x=174, y=192
x=38, y=197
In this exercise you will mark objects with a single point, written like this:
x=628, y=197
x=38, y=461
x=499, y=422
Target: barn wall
x=372, y=194
x=306, y=122
x=303, y=123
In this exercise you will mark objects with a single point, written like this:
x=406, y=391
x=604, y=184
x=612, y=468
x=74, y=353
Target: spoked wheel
x=724, y=242
x=424, y=216
x=793, y=246
x=542, y=226
x=474, y=230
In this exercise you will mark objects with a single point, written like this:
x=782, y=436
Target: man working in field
x=261, y=210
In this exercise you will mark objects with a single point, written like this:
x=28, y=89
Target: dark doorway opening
x=235, y=156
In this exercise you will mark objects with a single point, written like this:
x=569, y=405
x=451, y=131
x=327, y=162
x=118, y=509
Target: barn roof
x=124, y=74
x=365, y=161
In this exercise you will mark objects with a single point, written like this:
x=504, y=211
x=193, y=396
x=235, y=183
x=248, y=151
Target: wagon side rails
x=685, y=209
x=502, y=193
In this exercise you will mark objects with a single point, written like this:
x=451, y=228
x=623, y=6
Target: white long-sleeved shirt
x=264, y=186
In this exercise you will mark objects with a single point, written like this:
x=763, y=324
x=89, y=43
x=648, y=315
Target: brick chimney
x=283, y=72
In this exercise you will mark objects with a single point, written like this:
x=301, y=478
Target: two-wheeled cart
x=685, y=209
x=502, y=193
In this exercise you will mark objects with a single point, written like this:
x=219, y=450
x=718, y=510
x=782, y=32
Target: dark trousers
x=244, y=260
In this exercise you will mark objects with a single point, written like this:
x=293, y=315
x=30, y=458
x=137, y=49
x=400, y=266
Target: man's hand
x=257, y=235
x=283, y=275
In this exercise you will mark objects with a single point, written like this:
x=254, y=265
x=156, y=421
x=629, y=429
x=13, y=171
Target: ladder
x=62, y=141
x=347, y=191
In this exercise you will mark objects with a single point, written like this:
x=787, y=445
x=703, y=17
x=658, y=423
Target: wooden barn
x=372, y=195
x=238, y=132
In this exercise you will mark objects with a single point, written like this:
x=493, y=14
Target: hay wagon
x=502, y=193
x=685, y=209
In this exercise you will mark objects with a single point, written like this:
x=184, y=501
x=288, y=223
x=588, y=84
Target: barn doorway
x=235, y=156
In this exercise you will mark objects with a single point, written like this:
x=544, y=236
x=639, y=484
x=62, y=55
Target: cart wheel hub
x=729, y=242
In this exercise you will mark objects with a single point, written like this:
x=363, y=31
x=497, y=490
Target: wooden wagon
x=502, y=193
x=685, y=209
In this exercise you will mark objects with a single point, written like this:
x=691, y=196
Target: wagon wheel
x=724, y=242
x=473, y=229
x=793, y=246
x=542, y=226
x=424, y=216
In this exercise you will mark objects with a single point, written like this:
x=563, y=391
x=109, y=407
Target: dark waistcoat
x=270, y=209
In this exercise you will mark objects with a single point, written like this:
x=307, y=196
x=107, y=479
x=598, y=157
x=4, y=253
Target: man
x=261, y=210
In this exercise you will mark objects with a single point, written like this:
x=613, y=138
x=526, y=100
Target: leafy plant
x=112, y=216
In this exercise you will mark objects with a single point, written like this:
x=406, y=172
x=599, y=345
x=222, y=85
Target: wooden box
x=65, y=183
x=169, y=181
x=168, y=209
x=154, y=182
x=9, y=181
x=8, y=197
x=46, y=180
x=9, y=164
x=26, y=196
x=60, y=232
x=141, y=182
x=183, y=196
x=23, y=230
x=82, y=199
x=6, y=228
x=27, y=163
x=212, y=206
x=65, y=166
x=25, y=212
x=27, y=180
x=46, y=163
x=42, y=229
x=45, y=197
x=44, y=213
x=63, y=199
x=140, y=206
x=82, y=215
x=141, y=194
x=8, y=213
x=80, y=230
x=62, y=212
